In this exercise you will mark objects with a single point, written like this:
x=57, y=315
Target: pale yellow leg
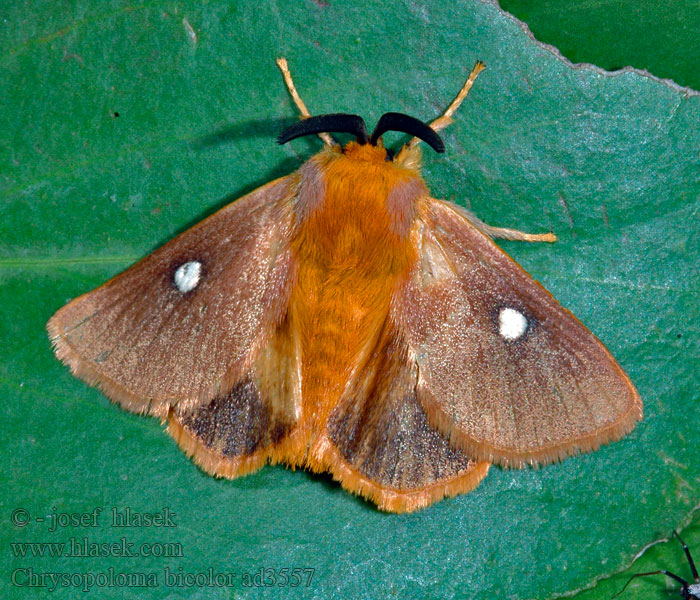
x=506, y=233
x=305, y=114
x=520, y=236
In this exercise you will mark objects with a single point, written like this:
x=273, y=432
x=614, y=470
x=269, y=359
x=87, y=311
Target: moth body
x=351, y=244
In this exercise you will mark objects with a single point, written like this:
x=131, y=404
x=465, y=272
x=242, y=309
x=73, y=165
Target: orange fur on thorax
x=349, y=258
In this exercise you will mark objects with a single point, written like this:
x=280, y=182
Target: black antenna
x=333, y=123
x=399, y=122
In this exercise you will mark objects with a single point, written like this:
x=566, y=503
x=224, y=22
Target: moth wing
x=251, y=424
x=378, y=442
x=500, y=393
x=149, y=345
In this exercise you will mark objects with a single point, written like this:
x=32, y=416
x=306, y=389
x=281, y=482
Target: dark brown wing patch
x=531, y=389
x=161, y=334
x=238, y=424
x=238, y=432
x=381, y=444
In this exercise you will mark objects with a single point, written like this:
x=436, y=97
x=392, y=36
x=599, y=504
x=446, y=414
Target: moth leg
x=305, y=114
x=446, y=118
x=505, y=233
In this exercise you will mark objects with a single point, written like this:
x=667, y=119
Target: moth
x=687, y=591
x=341, y=319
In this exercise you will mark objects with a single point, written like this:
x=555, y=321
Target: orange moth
x=343, y=320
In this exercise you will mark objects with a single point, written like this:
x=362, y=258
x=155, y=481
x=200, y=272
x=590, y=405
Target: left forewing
x=504, y=370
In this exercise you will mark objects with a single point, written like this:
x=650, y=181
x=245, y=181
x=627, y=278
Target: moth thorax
x=368, y=152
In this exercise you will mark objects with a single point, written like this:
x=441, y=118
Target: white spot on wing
x=694, y=589
x=511, y=324
x=187, y=276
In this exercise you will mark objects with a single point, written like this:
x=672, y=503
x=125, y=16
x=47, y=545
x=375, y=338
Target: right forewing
x=150, y=345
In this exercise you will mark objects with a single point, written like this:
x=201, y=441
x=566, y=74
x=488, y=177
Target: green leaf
x=661, y=37
x=607, y=161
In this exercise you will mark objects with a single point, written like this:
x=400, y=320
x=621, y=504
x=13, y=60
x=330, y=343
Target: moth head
x=370, y=147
